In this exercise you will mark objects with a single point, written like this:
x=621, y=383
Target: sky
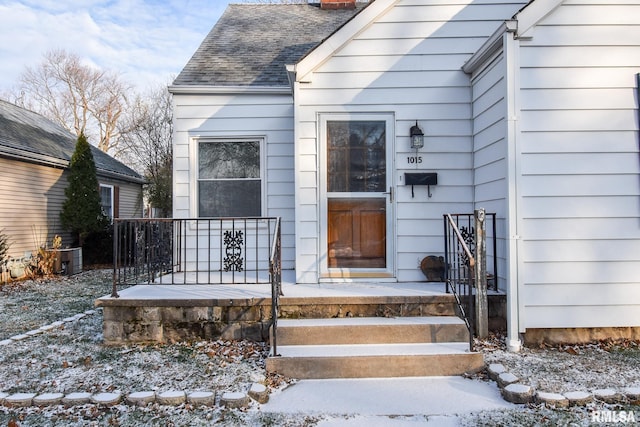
x=146, y=41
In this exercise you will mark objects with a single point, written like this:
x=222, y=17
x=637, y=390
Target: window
x=229, y=178
x=106, y=199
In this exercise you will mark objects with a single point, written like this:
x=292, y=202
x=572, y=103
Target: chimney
x=337, y=4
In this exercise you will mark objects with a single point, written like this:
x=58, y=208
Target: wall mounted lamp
x=417, y=136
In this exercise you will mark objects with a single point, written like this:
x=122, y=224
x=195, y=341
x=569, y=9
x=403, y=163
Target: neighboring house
x=529, y=110
x=34, y=157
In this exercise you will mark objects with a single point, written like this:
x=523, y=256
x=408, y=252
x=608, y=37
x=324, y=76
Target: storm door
x=357, y=198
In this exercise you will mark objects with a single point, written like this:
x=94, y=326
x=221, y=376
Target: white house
x=528, y=109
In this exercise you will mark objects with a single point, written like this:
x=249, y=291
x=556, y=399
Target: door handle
x=390, y=193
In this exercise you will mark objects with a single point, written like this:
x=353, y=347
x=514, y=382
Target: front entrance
x=357, y=197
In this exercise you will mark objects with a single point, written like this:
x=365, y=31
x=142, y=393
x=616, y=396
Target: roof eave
x=229, y=90
x=120, y=176
x=30, y=157
x=492, y=45
x=340, y=37
x=57, y=163
x=533, y=13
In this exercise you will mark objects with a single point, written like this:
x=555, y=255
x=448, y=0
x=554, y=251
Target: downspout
x=638, y=99
x=293, y=82
x=514, y=310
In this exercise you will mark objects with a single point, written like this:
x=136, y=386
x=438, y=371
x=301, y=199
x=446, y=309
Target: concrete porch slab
x=218, y=293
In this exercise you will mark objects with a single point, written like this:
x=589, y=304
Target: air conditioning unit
x=68, y=261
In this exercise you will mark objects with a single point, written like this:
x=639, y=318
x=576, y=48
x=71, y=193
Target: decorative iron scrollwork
x=233, y=241
x=468, y=235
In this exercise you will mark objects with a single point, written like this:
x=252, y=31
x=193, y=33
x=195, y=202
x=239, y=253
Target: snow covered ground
x=70, y=357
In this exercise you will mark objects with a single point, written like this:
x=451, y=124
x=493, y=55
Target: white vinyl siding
x=407, y=63
x=489, y=152
x=268, y=117
x=580, y=184
x=129, y=200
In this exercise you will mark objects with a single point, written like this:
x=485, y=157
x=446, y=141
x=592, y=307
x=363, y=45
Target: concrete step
x=372, y=330
x=374, y=360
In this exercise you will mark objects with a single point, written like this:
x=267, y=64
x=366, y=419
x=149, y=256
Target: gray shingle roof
x=34, y=138
x=251, y=43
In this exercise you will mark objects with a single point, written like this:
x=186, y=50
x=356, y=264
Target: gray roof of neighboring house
x=28, y=136
x=251, y=43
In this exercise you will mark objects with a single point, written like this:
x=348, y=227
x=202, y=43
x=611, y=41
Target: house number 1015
x=414, y=159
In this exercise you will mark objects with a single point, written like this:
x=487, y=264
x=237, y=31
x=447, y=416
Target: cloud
x=145, y=40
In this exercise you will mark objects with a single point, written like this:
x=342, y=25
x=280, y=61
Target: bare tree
x=145, y=143
x=83, y=99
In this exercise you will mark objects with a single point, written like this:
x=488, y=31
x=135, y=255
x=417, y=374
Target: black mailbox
x=427, y=178
x=422, y=178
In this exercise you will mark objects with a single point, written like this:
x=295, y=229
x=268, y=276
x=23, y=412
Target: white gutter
x=505, y=39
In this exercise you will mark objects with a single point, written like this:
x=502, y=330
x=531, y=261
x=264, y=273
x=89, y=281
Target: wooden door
x=357, y=233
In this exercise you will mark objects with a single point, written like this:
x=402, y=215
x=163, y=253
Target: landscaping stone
x=48, y=399
x=506, y=378
x=141, y=398
x=107, y=399
x=234, y=400
x=3, y=396
x=202, y=398
x=73, y=399
x=34, y=332
x=259, y=393
x=494, y=370
x=51, y=326
x=19, y=400
x=518, y=393
x=633, y=395
x=19, y=337
x=5, y=342
x=174, y=398
x=578, y=398
x=89, y=312
x=607, y=395
x=552, y=400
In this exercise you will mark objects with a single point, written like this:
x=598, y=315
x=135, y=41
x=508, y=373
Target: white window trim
x=110, y=187
x=195, y=161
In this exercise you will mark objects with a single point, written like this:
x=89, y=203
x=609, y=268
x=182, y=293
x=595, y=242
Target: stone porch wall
x=172, y=324
x=150, y=321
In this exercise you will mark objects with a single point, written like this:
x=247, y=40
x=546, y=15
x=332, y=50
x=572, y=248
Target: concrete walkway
x=389, y=401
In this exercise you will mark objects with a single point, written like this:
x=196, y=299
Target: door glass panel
x=356, y=160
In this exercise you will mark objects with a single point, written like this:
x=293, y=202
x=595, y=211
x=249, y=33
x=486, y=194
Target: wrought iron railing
x=466, y=266
x=194, y=251
x=275, y=273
